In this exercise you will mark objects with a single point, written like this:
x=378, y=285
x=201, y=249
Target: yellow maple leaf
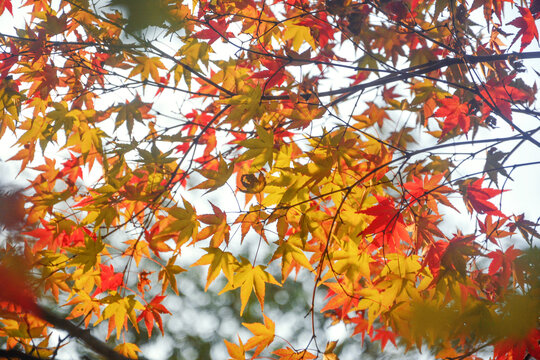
x=216, y=178
x=147, y=66
x=217, y=227
x=329, y=351
x=299, y=34
x=260, y=149
x=250, y=278
x=263, y=335
x=219, y=261
x=292, y=256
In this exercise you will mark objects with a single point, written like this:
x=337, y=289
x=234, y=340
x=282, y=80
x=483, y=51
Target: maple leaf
x=493, y=164
x=503, y=260
x=517, y=348
x=7, y=60
x=6, y=5
x=298, y=34
x=129, y=350
x=117, y=311
x=329, y=351
x=290, y=354
x=455, y=114
x=182, y=223
x=500, y=95
x=292, y=256
x=260, y=149
x=426, y=226
x=152, y=312
x=493, y=229
x=374, y=114
x=340, y=301
x=263, y=335
x=216, y=29
x=275, y=74
x=137, y=249
x=216, y=178
x=320, y=27
x=434, y=256
x=109, y=280
x=388, y=224
x=250, y=278
x=168, y=275
x=314, y=186
x=219, y=261
x=71, y=169
x=476, y=198
x=218, y=228
x=455, y=254
x=352, y=262
x=526, y=227
x=527, y=27
x=384, y=336
x=427, y=190
x=236, y=352
x=147, y=66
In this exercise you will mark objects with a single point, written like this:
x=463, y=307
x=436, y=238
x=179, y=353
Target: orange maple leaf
x=290, y=354
x=455, y=114
x=263, y=335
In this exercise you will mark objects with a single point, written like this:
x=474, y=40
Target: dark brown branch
x=96, y=345
x=16, y=354
x=412, y=72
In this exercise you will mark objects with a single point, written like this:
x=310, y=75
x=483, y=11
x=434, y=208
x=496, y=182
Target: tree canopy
x=369, y=146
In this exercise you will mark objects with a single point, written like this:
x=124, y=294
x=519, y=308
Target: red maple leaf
x=503, y=260
x=152, y=312
x=8, y=59
x=527, y=27
x=519, y=347
x=275, y=74
x=71, y=169
x=455, y=113
x=500, y=95
x=184, y=147
x=476, y=198
x=216, y=30
x=388, y=226
x=428, y=191
x=109, y=280
x=320, y=28
x=384, y=336
x=434, y=256
x=6, y=5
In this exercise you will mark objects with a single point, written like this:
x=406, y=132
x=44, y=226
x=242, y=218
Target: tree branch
x=16, y=354
x=410, y=73
x=98, y=346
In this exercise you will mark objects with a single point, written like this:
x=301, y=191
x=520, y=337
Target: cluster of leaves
x=359, y=207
